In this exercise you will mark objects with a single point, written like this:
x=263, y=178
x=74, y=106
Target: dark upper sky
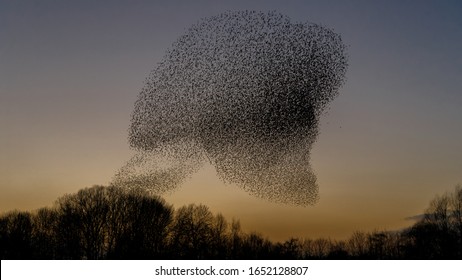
x=70, y=72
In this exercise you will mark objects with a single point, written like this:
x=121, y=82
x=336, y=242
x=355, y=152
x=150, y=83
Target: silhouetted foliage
x=117, y=223
x=16, y=235
x=191, y=232
x=357, y=246
x=439, y=234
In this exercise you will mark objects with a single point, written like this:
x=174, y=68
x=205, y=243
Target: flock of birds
x=243, y=91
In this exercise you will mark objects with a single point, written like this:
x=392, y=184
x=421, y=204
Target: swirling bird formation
x=243, y=91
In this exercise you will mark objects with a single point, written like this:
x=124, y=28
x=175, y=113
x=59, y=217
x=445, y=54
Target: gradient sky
x=70, y=72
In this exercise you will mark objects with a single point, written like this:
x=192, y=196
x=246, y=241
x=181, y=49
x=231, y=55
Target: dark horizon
x=117, y=223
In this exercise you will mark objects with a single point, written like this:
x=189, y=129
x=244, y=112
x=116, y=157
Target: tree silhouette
x=338, y=251
x=16, y=235
x=255, y=246
x=456, y=203
x=119, y=223
x=292, y=249
x=45, y=223
x=191, y=231
x=137, y=225
x=357, y=245
x=219, y=238
x=236, y=240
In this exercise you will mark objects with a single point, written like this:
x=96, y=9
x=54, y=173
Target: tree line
x=115, y=223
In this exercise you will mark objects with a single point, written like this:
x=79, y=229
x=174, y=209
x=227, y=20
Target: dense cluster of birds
x=243, y=91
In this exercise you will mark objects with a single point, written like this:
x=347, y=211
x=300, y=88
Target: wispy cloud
x=416, y=218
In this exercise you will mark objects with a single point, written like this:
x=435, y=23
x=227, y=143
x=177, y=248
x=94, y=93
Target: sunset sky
x=70, y=72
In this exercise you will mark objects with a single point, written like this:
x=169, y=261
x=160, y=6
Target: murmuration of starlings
x=243, y=91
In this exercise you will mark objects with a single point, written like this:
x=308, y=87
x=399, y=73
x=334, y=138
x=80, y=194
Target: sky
x=70, y=72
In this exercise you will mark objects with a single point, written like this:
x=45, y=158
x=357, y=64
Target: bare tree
x=45, y=222
x=438, y=213
x=292, y=249
x=321, y=248
x=83, y=218
x=220, y=237
x=191, y=231
x=236, y=238
x=357, y=244
x=16, y=235
x=255, y=246
x=456, y=207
